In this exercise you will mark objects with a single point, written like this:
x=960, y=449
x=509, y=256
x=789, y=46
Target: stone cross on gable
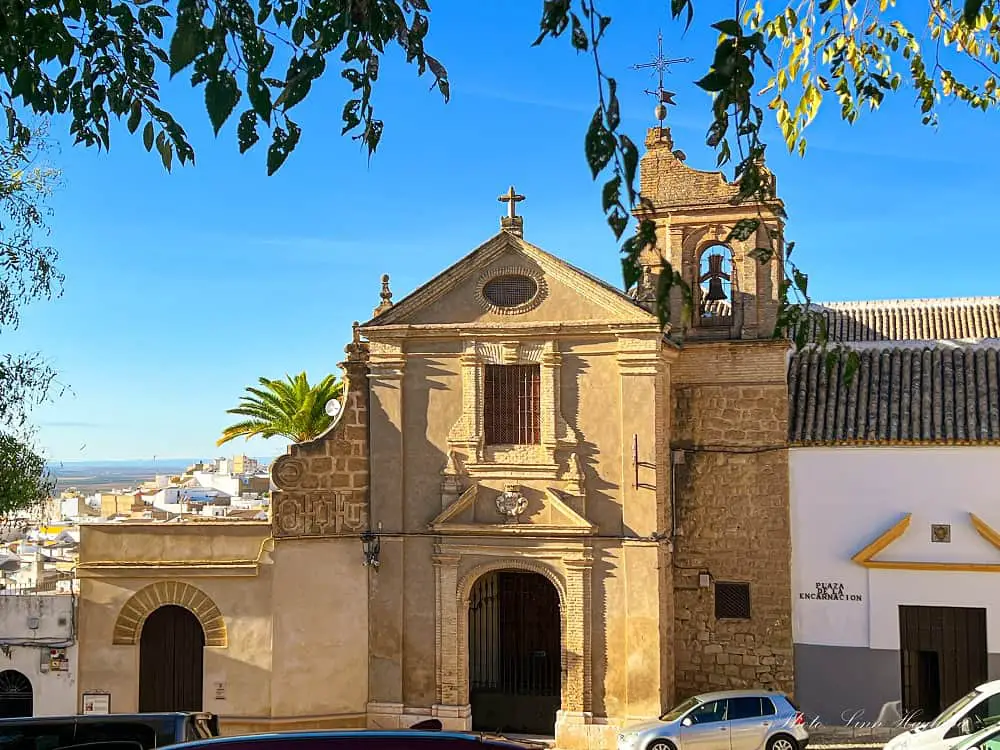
x=511, y=198
x=512, y=222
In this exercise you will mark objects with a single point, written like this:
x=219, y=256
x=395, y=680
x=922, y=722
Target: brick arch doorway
x=171, y=661
x=515, y=653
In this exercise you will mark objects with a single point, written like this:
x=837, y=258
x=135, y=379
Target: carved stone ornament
x=287, y=472
x=574, y=476
x=535, y=289
x=511, y=503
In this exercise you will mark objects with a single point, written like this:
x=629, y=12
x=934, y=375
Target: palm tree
x=290, y=408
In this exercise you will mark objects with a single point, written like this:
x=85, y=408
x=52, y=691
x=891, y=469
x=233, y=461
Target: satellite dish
x=333, y=407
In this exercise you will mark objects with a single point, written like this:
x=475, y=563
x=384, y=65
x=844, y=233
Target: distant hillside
x=89, y=477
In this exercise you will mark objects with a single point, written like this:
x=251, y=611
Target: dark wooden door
x=515, y=653
x=171, y=661
x=943, y=655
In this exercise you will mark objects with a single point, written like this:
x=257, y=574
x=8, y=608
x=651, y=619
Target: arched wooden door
x=171, y=661
x=16, y=695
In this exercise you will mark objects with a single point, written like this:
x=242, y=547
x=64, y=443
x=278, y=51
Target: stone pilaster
x=577, y=692
x=551, y=359
x=643, y=367
x=386, y=620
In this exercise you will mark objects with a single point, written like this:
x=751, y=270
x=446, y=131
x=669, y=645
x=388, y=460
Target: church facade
x=570, y=518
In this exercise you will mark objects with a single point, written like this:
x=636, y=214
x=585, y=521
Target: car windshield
x=953, y=709
x=979, y=739
x=678, y=711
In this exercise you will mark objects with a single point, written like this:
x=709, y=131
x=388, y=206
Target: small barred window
x=732, y=601
x=510, y=290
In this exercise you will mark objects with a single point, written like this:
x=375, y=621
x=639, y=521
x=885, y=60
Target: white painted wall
x=218, y=481
x=54, y=692
x=843, y=498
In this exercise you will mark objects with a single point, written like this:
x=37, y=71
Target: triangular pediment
x=564, y=292
x=970, y=546
x=546, y=513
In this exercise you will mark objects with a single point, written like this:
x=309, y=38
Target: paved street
x=831, y=737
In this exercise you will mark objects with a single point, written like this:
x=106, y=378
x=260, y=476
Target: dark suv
x=360, y=740
x=141, y=731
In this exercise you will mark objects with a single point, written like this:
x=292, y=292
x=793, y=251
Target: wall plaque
x=96, y=703
x=830, y=591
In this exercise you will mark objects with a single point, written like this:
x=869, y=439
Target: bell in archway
x=715, y=277
x=715, y=290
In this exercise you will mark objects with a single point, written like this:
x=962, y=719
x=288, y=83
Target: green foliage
x=840, y=48
x=290, y=408
x=27, y=273
x=27, y=267
x=25, y=482
x=98, y=59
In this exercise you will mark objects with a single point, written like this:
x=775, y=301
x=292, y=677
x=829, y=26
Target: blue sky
x=183, y=288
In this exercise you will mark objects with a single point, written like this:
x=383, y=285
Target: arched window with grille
x=16, y=695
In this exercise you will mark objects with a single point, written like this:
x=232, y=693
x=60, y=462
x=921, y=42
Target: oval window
x=510, y=290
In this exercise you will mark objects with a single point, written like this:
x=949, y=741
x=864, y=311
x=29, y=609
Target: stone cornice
x=548, y=531
x=720, y=211
x=507, y=330
x=639, y=355
x=386, y=359
x=169, y=569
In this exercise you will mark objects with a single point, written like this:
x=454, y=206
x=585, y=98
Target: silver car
x=727, y=720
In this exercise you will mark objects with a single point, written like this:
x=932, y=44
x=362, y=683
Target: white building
x=895, y=510
x=38, y=639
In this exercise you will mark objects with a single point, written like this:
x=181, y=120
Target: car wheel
x=661, y=745
x=782, y=742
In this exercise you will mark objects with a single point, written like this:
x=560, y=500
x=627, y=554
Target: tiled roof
x=933, y=394
x=913, y=320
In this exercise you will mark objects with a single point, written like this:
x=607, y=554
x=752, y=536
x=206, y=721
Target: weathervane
x=661, y=65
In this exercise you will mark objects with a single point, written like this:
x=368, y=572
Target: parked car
x=984, y=739
x=144, y=731
x=402, y=739
x=727, y=720
x=968, y=715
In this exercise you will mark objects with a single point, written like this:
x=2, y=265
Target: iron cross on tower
x=661, y=65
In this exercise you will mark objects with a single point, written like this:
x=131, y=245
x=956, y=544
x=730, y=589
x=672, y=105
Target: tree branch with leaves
x=93, y=61
x=27, y=274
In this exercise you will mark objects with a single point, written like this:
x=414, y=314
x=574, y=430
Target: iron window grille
x=732, y=601
x=510, y=290
x=512, y=404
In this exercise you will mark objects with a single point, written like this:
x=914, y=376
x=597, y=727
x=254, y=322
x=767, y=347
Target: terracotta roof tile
x=913, y=320
x=918, y=394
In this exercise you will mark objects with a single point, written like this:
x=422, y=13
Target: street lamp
x=371, y=546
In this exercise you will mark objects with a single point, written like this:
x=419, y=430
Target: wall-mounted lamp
x=704, y=579
x=371, y=545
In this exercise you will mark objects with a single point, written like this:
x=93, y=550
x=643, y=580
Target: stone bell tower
x=734, y=295
x=728, y=427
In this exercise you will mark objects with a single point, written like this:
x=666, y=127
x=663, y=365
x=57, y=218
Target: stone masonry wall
x=323, y=483
x=730, y=406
